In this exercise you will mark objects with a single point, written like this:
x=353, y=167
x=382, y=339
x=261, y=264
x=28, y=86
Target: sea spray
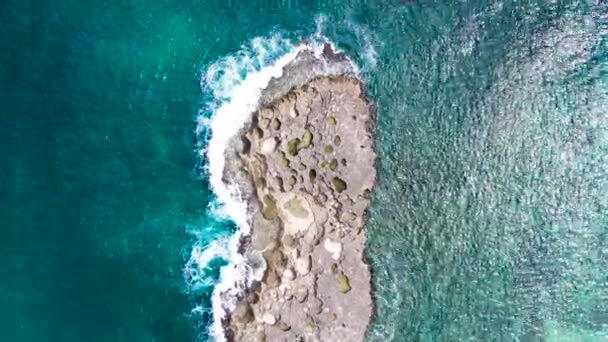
x=358, y=40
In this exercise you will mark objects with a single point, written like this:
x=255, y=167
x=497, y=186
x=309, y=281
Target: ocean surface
x=489, y=221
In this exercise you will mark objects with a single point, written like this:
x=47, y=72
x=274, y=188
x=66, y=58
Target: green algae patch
x=284, y=162
x=294, y=207
x=292, y=146
x=292, y=180
x=270, y=208
x=339, y=184
x=333, y=164
x=284, y=326
x=306, y=140
x=331, y=121
x=295, y=145
x=328, y=149
x=343, y=283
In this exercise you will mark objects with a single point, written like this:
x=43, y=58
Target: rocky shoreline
x=305, y=165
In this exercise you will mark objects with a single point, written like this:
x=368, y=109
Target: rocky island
x=305, y=164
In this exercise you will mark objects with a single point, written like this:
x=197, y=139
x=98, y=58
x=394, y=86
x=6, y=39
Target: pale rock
x=288, y=275
x=303, y=265
x=269, y=145
x=334, y=248
x=269, y=319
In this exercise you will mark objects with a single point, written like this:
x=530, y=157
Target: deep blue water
x=488, y=223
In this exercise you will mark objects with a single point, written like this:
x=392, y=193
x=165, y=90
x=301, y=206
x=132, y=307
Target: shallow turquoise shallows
x=489, y=222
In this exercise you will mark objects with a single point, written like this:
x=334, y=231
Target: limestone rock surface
x=307, y=160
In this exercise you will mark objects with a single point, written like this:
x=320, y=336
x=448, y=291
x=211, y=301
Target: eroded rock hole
x=246, y=145
x=339, y=184
x=312, y=174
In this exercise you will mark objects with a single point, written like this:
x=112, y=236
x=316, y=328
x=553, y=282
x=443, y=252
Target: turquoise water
x=488, y=222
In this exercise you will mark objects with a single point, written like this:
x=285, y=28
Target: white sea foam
x=364, y=41
x=201, y=256
x=236, y=83
x=366, y=44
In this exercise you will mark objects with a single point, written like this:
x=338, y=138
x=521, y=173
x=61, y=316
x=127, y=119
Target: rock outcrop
x=307, y=166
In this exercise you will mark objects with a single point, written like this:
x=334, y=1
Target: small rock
x=269, y=319
x=288, y=275
x=334, y=248
x=269, y=146
x=303, y=265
